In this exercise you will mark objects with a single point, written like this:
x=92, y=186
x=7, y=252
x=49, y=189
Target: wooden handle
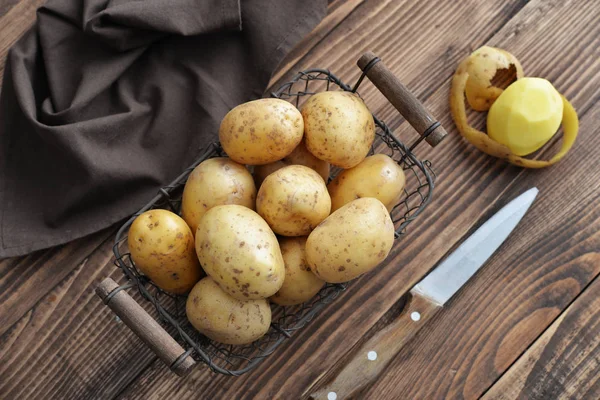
x=145, y=327
x=371, y=358
x=404, y=101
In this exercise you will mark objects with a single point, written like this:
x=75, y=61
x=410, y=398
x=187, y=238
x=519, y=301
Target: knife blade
x=426, y=299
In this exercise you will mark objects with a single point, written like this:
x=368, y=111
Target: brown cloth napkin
x=105, y=101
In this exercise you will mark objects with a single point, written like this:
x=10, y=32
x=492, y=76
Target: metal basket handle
x=145, y=327
x=401, y=98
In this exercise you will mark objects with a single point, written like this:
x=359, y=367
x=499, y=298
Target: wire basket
x=170, y=309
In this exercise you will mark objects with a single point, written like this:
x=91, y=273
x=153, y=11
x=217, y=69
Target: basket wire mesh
x=170, y=309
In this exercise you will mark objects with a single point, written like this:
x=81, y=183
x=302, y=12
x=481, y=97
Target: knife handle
x=371, y=358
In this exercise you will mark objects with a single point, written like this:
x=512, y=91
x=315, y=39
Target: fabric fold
x=103, y=102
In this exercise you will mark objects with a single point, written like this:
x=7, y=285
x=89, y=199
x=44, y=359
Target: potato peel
x=481, y=66
x=473, y=78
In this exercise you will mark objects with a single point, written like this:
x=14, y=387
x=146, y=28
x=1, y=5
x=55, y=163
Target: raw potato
x=226, y=319
x=239, y=251
x=293, y=200
x=214, y=182
x=262, y=171
x=338, y=128
x=351, y=241
x=300, y=156
x=376, y=176
x=261, y=131
x=300, y=284
x=162, y=247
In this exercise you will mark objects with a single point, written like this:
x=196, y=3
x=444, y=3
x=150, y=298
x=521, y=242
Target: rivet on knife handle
x=369, y=361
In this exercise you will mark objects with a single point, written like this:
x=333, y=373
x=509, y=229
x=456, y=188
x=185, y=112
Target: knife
x=426, y=299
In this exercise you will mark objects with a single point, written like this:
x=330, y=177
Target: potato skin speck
x=349, y=234
x=225, y=319
x=227, y=243
x=338, y=128
x=162, y=247
x=261, y=131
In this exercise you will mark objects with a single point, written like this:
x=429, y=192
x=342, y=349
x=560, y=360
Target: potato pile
x=280, y=233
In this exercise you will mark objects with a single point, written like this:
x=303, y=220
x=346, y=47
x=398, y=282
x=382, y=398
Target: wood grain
x=25, y=280
x=359, y=371
x=564, y=362
x=349, y=319
x=337, y=11
x=14, y=24
x=145, y=326
x=536, y=274
x=68, y=346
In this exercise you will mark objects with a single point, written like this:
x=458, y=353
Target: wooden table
x=526, y=326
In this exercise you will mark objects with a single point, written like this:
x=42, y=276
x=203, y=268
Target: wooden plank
x=583, y=94
x=348, y=319
x=345, y=320
x=25, y=280
x=564, y=362
x=6, y=5
x=539, y=271
x=337, y=11
x=69, y=345
x=19, y=18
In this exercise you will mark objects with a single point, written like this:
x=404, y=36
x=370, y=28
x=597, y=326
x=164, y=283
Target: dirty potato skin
x=338, y=128
x=162, y=247
x=261, y=131
x=214, y=182
x=351, y=241
x=300, y=156
x=293, y=200
x=225, y=319
x=300, y=284
x=239, y=251
x=376, y=176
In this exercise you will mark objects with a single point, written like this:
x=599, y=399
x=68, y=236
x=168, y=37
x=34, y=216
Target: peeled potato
x=300, y=284
x=376, y=176
x=239, y=251
x=293, y=200
x=525, y=116
x=214, y=182
x=338, y=128
x=351, y=241
x=473, y=79
x=261, y=131
x=225, y=319
x=162, y=247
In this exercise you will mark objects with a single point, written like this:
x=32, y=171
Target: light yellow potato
x=293, y=200
x=162, y=247
x=225, y=319
x=338, y=128
x=300, y=156
x=261, y=131
x=239, y=251
x=300, y=284
x=262, y=171
x=215, y=182
x=376, y=176
x=351, y=241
